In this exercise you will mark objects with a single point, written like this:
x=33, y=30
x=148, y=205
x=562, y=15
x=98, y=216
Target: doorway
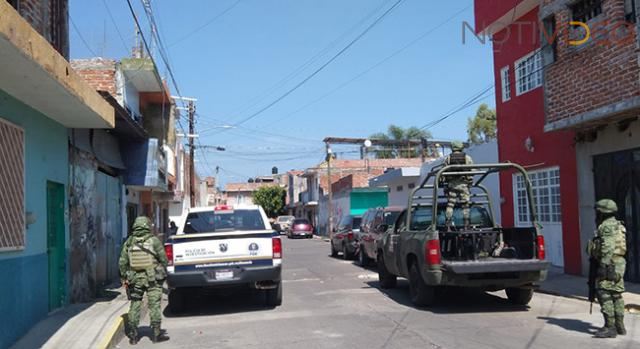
x=56, y=251
x=617, y=177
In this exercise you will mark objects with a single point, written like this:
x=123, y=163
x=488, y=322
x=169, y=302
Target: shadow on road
x=220, y=302
x=453, y=300
x=570, y=324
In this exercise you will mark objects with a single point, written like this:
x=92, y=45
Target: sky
x=288, y=73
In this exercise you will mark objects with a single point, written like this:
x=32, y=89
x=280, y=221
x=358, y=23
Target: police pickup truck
x=219, y=247
x=484, y=255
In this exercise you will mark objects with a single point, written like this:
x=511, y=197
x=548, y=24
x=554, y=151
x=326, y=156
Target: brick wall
x=100, y=73
x=49, y=18
x=595, y=74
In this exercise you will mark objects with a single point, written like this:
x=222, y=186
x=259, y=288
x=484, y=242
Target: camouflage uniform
x=609, y=248
x=457, y=189
x=147, y=280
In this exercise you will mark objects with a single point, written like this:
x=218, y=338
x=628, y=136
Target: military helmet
x=606, y=206
x=457, y=146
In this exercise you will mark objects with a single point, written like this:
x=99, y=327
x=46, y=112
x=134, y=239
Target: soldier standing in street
x=142, y=269
x=609, y=247
x=457, y=188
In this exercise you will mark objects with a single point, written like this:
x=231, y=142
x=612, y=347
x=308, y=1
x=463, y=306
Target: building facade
x=520, y=53
x=41, y=99
x=592, y=90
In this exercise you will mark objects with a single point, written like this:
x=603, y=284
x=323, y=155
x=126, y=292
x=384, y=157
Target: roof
x=247, y=186
x=211, y=208
x=392, y=175
x=373, y=163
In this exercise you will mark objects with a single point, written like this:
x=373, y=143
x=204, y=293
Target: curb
x=114, y=334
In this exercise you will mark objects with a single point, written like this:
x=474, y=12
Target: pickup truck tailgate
x=245, y=249
x=495, y=265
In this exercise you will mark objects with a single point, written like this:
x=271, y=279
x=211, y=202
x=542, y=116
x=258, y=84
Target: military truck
x=485, y=255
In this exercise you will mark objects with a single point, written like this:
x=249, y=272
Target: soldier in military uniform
x=457, y=188
x=609, y=247
x=143, y=265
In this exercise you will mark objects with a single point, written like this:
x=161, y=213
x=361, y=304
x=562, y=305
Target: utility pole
x=330, y=204
x=192, y=152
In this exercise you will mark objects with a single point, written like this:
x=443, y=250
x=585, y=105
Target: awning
x=35, y=73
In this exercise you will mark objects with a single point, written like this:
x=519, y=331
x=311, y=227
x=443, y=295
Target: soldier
x=608, y=247
x=142, y=269
x=457, y=188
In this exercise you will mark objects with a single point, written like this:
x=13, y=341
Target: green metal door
x=56, y=245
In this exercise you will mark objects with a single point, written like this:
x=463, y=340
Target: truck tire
x=363, y=259
x=274, y=295
x=345, y=253
x=176, y=301
x=421, y=294
x=334, y=252
x=387, y=280
x=519, y=296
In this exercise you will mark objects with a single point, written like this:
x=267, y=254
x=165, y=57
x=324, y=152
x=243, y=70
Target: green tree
x=271, y=198
x=482, y=128
x=398, y=133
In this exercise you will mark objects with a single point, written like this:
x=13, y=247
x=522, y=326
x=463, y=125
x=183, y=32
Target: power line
x=468, y=103
x=374, y=66
x=82, y=37
x=209, y=22
x=322, y=67
x=126, y=48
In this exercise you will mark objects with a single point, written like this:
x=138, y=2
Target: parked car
x=300, y=227
x=224, y=247
x=482, y=255
x=283, y=223
x=344, y=238
x=374, y=223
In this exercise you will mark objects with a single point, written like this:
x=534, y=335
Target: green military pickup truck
x=484, y=255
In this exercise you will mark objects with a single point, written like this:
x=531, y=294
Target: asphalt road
x=331, y=303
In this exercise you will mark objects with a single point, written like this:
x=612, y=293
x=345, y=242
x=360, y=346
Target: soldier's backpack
x=139, y=257
x=457, y=158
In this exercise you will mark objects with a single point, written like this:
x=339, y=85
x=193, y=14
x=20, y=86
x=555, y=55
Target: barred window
x=12, y=211
x=528, y=72
x=545, y=185
x=583, y=11
x=506, y=84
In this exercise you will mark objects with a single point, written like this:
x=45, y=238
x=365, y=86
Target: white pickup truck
x=221, y=246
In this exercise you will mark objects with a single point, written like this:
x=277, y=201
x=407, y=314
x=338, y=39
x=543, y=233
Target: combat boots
x=158, y=334
x=133, y=337
x=620, y=326
x=608, y=331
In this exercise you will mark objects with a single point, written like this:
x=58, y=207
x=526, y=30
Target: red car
x=300, y=228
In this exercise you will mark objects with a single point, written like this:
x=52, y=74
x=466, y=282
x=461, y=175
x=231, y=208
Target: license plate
x=224, y=275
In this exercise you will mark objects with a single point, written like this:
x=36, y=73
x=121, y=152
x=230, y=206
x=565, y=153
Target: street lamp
x=367, y=145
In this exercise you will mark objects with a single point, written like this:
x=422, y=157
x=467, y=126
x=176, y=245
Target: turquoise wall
x=362, y=201
x=24, y=295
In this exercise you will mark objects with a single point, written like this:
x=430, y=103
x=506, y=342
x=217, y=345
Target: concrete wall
x=609, y=140
x=24, y=295
x=400, y=197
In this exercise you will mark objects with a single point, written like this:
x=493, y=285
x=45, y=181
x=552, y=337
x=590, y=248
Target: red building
x=520, y=49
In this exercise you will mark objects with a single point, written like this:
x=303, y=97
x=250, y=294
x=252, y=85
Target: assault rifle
x=593, y=274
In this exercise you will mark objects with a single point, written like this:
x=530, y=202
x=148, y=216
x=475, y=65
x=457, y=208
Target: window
x=630, y=10
x=545, y=186
x=584, y=10
x=214, y=221
x=12, y=214
x=411, y=185
x=528, y=72
x=506, y=84
x=399, y=188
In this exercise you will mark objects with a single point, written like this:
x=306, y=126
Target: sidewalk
x=571, y=286
x=89, y=325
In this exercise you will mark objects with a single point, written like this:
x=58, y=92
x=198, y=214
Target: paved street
x=330, y=303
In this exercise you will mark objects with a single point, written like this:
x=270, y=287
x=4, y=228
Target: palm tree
x=398, y=133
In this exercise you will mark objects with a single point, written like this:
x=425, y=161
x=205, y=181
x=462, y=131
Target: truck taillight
x=350, y=236
x=541, y=252
x=277, y=247
x=432, y=252
x=168, y=250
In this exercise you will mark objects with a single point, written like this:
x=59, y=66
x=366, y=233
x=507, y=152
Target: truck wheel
x=345, y=253
x=274, y=295
x=387, y=280
x=519, y=296
x=176, y=301
x=334, y=252
x=421, y=294
x=363, y=259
